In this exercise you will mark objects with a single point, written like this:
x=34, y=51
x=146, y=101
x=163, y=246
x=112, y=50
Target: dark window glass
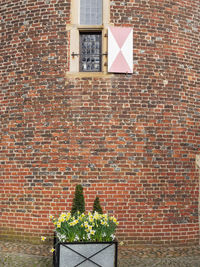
x=90, y=12
x=90, y=51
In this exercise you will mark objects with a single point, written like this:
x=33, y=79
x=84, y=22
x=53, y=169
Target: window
x=90, y=42
x=88, y=39
x=91, y=12
x=90, y=51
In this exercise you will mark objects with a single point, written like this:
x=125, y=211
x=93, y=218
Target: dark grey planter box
x=86, y=254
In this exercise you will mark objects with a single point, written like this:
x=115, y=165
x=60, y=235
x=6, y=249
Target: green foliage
x=78, y=226
x=97, y=206
x=85, y=227
x=78, y=204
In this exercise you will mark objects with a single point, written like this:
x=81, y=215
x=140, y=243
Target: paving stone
x=14, y=254
x=24, y=260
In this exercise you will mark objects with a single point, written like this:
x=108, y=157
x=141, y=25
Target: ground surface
x=25, y=255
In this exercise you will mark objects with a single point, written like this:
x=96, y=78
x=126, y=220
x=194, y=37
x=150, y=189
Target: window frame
x=75, y=29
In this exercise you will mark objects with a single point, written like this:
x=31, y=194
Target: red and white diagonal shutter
x=120, y=49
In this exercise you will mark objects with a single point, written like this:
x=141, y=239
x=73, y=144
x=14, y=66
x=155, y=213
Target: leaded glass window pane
x=91, y=12
x=90, y=51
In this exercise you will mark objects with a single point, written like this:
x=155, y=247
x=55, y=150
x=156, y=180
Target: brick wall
x=130, y=139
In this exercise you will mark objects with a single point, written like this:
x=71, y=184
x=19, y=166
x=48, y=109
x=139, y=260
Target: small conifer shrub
x=97, y=206
x=78, y=201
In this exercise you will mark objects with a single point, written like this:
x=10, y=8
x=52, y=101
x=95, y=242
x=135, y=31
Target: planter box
x=86, y=254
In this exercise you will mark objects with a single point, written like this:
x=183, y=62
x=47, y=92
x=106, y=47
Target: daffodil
x=114, y=220
x=62, y=219
x=92, y=232
x=87, y=226
x=68, y=216
x=96, y=215
x=91, y=219
x=63, y=214
x=43, y=238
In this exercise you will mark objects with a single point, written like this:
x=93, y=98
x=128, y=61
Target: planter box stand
x=85, y=254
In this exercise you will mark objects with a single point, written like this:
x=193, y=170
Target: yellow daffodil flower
x=92, y=232
x=114, y=220
x=43, y=238
x=91, y=219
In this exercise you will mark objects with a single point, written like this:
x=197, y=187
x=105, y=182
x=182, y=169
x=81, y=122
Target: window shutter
x=120, y=49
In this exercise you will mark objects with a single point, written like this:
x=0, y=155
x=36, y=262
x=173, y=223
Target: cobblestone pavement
x=26, y=255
